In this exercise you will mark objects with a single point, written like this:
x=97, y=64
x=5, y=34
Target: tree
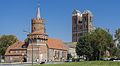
x=5, y=42
x=26, y=40
x=95, y=44
x=117, y=37
x=117, y=54
x=102, y=41
x=83, y=47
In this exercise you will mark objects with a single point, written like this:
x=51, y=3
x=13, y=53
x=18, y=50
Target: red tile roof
x=56, y=44
x=16, y=46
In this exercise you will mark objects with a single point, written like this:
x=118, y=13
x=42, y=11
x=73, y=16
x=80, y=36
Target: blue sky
x=16, y=15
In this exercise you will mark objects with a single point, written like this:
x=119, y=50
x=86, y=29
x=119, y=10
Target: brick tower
x=81, y=24
x=37, y=50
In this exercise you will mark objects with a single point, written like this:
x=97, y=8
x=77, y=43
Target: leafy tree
x=102, y=41
x=26, y=40
x=117, y=37
x=84, y=48
x=117, y=54
x=5, y=42
x=95, y=44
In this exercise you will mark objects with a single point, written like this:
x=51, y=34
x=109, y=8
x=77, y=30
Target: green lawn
x=85, y=63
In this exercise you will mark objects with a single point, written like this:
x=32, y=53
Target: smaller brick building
x=16, y=52
x=53, y=50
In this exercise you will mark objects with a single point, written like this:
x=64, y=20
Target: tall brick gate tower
x=37, y=39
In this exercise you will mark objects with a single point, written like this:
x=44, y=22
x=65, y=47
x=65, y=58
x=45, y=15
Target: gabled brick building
x=39, y=47
x=16, y=52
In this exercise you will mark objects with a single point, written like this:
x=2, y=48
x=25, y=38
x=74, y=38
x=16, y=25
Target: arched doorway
x=24, y=59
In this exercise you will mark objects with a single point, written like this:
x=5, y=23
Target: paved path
x=15, y=64
x=25, y=64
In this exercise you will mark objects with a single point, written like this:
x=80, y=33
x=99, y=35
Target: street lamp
x=30, y=41
x=32, y=52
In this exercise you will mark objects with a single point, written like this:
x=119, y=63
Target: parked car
x=68, y=60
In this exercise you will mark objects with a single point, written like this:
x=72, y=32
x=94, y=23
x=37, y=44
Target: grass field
x=85, y=63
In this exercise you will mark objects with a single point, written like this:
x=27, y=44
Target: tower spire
x=38, y=10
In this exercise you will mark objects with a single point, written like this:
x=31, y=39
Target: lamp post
x=30, y=41
x=32, y=52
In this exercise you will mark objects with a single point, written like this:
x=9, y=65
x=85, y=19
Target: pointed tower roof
x=38, y=11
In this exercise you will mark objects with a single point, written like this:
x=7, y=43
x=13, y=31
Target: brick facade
x=81, y=24
x=39, y=52
x=16, y=52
